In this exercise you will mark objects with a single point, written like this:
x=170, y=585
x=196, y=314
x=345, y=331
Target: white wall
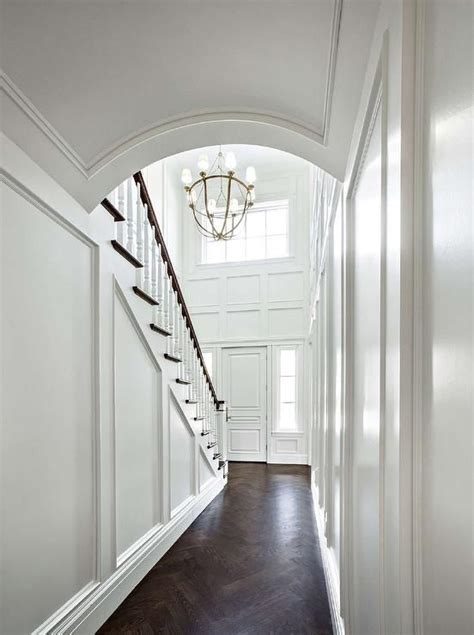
x=240, y=304
x=446, y=319
x=99, y=451
x=397, y=539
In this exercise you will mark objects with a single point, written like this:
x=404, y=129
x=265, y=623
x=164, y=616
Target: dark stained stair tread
x=184, y=382
x=113, y=211
x=160, y=330
x=119, y=248
x=172, y=358
x=145, y=296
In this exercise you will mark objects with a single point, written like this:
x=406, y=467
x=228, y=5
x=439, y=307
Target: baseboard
x=105, y=597
x=291, y=459
x=330, y=569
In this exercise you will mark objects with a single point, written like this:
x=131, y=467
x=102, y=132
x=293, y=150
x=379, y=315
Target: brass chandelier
x=219, y=200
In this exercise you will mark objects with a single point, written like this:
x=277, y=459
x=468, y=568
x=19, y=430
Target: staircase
x=139, y=240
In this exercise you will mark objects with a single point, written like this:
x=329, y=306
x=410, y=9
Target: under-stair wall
x=104, y=461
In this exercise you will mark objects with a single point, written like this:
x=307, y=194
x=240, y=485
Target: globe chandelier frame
x=219, y=217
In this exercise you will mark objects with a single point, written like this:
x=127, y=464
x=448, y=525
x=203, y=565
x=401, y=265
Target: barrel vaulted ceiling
x=97, y=77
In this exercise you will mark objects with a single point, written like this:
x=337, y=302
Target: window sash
x=266, y=243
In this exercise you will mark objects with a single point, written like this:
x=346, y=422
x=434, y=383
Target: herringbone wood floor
x=249, y=564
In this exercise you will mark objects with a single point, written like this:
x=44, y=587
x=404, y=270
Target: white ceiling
x=264, y=160
x=98, y=77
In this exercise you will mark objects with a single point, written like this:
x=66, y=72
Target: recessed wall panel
x=207, y=324
x=285, y=322
x=49, y=422
x=137, y=401
x=204, y=292
x=182, y=456
x=243, y=289
x=285, y=287
x=243, y=324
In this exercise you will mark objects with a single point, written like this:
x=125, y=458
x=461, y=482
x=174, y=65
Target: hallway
x=250, y=563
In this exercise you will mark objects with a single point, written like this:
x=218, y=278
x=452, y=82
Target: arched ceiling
x=93, y=89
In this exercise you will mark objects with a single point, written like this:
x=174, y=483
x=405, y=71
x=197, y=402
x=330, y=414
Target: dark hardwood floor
x=250, y=563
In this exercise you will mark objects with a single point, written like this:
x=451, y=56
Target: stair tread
x=145, y=296
x=159, y=329
x=115, y=213
x=193, y=401
x=184, y=382
x=123, y=251
x=172, y=358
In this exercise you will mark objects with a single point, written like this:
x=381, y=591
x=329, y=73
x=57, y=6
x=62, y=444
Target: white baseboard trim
x=331, y=573
x=294, y=459
x=85, y=618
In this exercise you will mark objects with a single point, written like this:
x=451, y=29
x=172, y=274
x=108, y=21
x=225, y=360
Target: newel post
x=221, y=413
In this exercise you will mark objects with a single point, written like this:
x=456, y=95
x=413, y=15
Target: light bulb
x=230, y=161
x=193, y=196
x=211, y=205
x=234, y=204
x=186, y=176
x=203, y=163
x=250, y=175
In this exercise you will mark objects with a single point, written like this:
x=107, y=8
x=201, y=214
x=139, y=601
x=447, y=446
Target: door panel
x=245, y=379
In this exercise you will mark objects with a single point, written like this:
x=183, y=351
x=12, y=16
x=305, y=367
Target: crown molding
x=30, y=110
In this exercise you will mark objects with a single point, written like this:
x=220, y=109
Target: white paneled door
x=245, y=380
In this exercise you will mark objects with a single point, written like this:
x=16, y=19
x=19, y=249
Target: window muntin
x=264, y=235
x=287, y=390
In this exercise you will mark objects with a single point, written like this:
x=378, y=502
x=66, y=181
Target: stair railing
x=139, y=239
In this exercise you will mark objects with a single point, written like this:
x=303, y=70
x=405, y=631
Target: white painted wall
x=446, y=319
x=397, y=539
x=258, y=303
x=99, y=451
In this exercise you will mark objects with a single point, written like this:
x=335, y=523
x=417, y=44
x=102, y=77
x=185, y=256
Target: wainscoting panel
x=207, y=324
x=285, y=322
x=49, y=428
x=243, y=324
x=204, y=292
x=182, y=456
x=286, y=287
x=137, y=425
x=206, y=473
x=244, y=289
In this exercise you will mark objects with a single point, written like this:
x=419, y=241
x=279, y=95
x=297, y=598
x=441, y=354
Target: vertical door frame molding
x=377, y=102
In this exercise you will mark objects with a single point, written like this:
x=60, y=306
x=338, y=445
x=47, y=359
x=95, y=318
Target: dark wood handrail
x=146, y=200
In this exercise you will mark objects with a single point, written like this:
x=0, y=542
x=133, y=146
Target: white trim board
x=330, y=568
x=106, y=597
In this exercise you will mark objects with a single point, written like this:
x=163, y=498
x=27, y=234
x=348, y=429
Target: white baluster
x=140, y=231
x=166, y=299
x=131, y=217
x=175, y=325
x=121, y=227
x=146, y=252
x=159, y=286
x=154, y=278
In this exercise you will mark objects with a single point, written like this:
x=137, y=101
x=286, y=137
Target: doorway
x=245, y=391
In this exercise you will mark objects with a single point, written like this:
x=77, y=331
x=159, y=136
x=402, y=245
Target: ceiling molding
x=30, y=110
x=90, y=168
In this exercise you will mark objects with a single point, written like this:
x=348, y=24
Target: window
x=287, y=389
x=264, y=235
